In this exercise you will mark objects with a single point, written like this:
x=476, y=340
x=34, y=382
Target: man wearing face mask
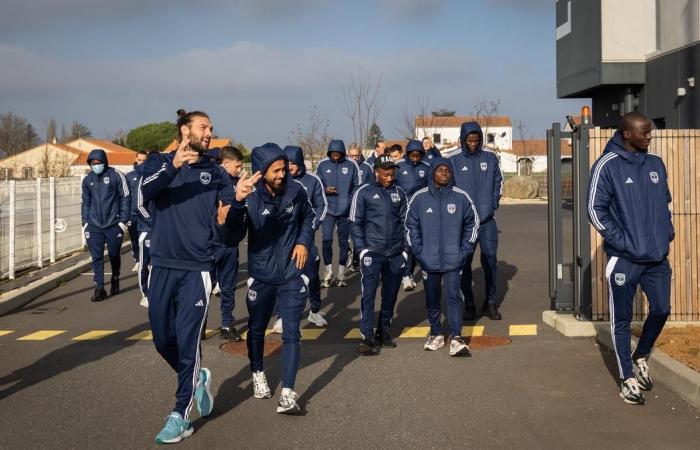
x=104, y=212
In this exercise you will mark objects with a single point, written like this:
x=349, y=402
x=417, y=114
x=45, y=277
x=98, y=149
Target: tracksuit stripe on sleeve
x=594, y=187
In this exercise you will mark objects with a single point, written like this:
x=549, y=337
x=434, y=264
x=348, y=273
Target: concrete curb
x=16, y=298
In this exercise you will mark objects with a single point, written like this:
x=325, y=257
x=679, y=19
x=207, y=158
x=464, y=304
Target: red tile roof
x=457, y=121
x=124, y=158
x=215, y=143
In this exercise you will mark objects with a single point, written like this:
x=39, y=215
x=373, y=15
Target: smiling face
x=199, y=131
x=274, y=176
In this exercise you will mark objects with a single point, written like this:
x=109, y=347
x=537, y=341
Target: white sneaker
x=434, y=342
x=287, y=403
x=135, y=268
x=144, y=301
x=413, y=283
x=327, y=280
x=277, y=327
x=317, y=319
x=341, y=281
x=458, y=347
x=408, y=284
x=216, y=290
x=260, y=387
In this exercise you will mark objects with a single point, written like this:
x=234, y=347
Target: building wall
x=59, y=161
x=451, y=135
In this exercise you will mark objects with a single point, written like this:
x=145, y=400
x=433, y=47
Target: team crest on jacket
x=451, y=208
x=654, y=177
x=619, y=279
x=252, y=295
x=421, y=173
x=395, y=197
x=147, y=243
x=484, y=166
x=367, y=261
x=106, y=180
x=87, y=235
x=289, y=208
x=345, y=170
x=205, y=177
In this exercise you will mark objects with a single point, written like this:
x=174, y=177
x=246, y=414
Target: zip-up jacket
x=442, y=225
x=376, y=219
x=184, y=203
x=142, y=209
x=132, y=180
x=274, y=224
x=105, y=199
x=628, y=198
x=412, y=176
x=226, y=239
x=432, y=153
x=311, y=182
x=344, y=175
x=366, y=171
x=478, y=173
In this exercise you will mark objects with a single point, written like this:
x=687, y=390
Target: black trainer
x=368, y=347
x=99, y=295
x=491, y=311
x=631, y=392
x=230, y=334
x=469, y=312
x=642, y=374
x=114, y=286
x=384, y=339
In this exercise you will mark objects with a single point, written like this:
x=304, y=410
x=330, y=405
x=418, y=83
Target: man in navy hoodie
x=104, y=210
x=628, y=200
x=377, y=213
x=444, y=207
x=412, y=174
x=340, y=177
x=430, y=150
x=132, y=179
x=276, y=213
x=142, y=212
x=477, y=172
x=184, y=188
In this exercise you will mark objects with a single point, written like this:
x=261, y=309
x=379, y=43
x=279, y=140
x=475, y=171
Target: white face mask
x=98, y=168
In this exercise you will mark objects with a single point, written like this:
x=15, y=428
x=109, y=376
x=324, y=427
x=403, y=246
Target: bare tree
x=16, y=134
x=53, y=163
x=485, y=112
x=363, y=102
x=313, y=138
x=411, y=112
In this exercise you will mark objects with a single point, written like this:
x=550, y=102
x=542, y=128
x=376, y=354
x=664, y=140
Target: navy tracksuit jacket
x=479, y=175
x=431, y=154
x=104, y=212
x=344, y=175
x=226, y=270
x=366, y=171
x=376, y=218
x=143, y=230
x=183, y=204
x=628, y=200
x=442, y=229
x=132, y=179
x=275, y=225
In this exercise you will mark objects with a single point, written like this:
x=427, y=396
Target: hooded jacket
x=311, y=182
x=183, y=203
x=412, y=176
x=344, y=175
x=478, y=173
x=442, y=225
x=274, y=224
x=132, y=180
x=432, y=153
x=105, y=199
x=140, y=208
x=628, y=198
x=366, y=170
x=376, y=219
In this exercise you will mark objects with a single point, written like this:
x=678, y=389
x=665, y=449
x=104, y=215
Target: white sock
x=329, y=268
x=341, y=271
x=286, y=391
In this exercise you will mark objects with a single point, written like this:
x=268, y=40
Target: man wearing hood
x=340, y=177
x=142, y=211
x=443, y=207
x=132, y=179
x=184, y=188
x=430, y=150
x=277, y=215
x=476, y=171
x=104, y=211
x=411, y=175
x=377, y=213
x=628, y=200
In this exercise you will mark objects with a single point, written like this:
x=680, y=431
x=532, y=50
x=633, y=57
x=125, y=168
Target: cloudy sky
x=259, y=66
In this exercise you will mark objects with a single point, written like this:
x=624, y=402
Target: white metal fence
x=39, y=222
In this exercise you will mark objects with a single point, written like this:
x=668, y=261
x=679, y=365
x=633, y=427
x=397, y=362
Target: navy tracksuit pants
x=432, y=282
x=488, y=242
x=177, y=309
x=144, y=261
x=410, y=265
x=623, y=277
x=225, y=273
x=329, y=224
x=373, y=268
x=311, y=271
x=261, y=299
x=96, y=239
x=134, y=238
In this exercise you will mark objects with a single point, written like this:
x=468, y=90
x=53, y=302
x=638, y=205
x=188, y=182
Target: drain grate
x=483, y=342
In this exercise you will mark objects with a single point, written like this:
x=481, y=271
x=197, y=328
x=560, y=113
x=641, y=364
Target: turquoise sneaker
x=202, y=393
x=176, y=429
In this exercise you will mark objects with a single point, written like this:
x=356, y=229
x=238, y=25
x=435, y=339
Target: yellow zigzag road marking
x=307, y=334
x=41, y=335
x=4, y=332
x=94, y=335
x=142, y=336
x=522, y=330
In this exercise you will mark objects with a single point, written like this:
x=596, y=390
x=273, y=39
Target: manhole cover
x=479, y=342
x=272, y=346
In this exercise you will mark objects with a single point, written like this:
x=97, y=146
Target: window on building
x=436, y=137
x=660, y=123
x=5, y=173
x=28, y=172
x=490, y=138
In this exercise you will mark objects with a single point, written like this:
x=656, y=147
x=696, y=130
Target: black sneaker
x=368, y=347
x=631, y=392
x=469, y=312
x=384, y=339
x=114, y=286
x=642, y=376
x=491, y=311
x=99, y=295
x=230, y=334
